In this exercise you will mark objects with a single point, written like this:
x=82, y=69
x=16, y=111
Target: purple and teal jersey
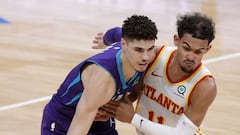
x=62, y=106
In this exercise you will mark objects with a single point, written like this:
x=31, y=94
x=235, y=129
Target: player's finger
x=100, y=33
x=98, y=37
x=112, y=102
x=110, y=107
x=95, y=47
x=95, y=40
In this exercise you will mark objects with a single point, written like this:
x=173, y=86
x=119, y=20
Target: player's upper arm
x=201, y=99
x=98, y=85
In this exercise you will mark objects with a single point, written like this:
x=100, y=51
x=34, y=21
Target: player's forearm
x=184, y=126
x=81, y=123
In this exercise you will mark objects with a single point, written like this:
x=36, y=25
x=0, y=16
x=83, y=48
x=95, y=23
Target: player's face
x=139, y=53
x=190, y=52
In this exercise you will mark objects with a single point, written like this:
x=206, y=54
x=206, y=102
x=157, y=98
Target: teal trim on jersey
x=120, y=72
x=74, y=99
x=119, y=66
x=133, y=78
x=76, y=80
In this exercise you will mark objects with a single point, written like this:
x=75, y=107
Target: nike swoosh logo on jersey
x=154, y=74
x=141, y=123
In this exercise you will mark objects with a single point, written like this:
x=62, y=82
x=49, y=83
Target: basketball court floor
x=41, y=40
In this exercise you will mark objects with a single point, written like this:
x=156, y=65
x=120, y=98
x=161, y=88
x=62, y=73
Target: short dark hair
x=139, y=27
x=198, y=25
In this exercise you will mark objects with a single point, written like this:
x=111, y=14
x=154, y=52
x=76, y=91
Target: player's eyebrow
x=189, y=46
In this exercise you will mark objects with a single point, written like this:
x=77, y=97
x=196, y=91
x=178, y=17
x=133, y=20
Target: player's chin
x=188, y=70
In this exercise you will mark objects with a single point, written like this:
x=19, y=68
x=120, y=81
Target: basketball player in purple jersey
x=103, y=77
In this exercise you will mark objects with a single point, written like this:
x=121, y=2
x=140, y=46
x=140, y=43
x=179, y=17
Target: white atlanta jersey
x=164, y=101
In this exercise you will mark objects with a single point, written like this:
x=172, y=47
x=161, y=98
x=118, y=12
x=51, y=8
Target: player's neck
x=174, y=71
x=127, y=69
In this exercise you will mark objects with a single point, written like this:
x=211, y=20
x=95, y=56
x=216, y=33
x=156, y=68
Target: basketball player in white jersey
x=178, y=88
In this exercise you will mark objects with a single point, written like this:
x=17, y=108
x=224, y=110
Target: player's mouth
x=189, y=63
x=143, y=65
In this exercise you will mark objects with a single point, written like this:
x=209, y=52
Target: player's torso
x=164, y=101
x=72, y=88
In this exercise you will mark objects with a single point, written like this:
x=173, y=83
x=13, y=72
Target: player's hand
x=98, y=42
x=101, y=115
x=121, y=110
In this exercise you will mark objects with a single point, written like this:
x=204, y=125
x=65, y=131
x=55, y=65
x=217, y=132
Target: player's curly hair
x=198, y=25
x=139, y=27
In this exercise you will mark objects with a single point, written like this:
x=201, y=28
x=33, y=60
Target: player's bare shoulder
x=92, y=72
x=206, y=90
x=208, y=84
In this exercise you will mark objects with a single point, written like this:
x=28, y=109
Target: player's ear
x=208, y=47
x=176, y=39
x=123, y=43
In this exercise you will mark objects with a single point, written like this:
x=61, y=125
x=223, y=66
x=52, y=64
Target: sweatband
x=184, y=126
